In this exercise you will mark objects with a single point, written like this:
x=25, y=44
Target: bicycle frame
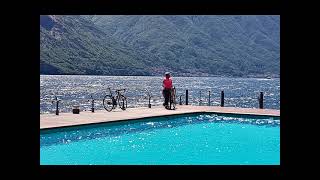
x=116, y=97
x=119, y=93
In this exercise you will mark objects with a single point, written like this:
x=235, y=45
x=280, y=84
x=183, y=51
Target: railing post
x=222, y=98
x=209, y=103
x=57, y=108
x=261, y=100
x=187, y=97
x=200, y=102
x=57, y=104
x=149, y=97
x=149, y=105
x=92, y=105
x=180, y=102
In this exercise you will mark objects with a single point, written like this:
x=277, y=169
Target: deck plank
x=85, y=117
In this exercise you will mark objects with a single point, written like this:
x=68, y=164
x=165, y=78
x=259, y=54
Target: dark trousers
x=166, y=94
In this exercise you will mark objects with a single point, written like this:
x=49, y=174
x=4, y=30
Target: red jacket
x=167, y=83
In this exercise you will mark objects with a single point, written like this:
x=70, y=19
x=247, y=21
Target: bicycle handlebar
x=120, y=89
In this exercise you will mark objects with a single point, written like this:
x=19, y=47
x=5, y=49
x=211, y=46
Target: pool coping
x=64, y=120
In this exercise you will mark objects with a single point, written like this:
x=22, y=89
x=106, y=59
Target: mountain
x=73, y=45
x=150, y=45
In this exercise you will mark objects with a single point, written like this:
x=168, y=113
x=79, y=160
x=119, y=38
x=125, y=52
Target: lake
x=77, y=89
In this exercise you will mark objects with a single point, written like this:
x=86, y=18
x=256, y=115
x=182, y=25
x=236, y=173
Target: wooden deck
x=85, y=117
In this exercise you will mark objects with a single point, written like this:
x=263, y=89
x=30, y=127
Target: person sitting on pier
x=167, y=86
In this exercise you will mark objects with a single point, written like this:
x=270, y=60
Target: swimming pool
x=209, y=139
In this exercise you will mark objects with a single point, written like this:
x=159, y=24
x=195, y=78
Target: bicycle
x=172, y=99
x=110, y=102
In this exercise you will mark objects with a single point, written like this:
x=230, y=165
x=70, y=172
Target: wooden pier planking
x=99, y=116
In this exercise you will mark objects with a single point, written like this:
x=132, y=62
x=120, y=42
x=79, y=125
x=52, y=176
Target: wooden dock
x=99, y=116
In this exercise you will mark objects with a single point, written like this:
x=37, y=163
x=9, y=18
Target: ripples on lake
x=76, y=90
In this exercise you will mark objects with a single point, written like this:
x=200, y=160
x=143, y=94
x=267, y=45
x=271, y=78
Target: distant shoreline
x=249, y=76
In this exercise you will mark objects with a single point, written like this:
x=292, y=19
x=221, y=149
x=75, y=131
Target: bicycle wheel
x=108, y=103
x=173, y=99
x=122, y=101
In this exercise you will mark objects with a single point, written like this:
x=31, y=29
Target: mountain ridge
x=149, y=45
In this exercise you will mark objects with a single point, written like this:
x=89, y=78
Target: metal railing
x=140, y=101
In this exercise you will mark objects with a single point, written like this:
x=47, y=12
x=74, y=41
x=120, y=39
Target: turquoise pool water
x=209, y=139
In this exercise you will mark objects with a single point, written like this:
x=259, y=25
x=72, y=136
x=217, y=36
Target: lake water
x=76, y=90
